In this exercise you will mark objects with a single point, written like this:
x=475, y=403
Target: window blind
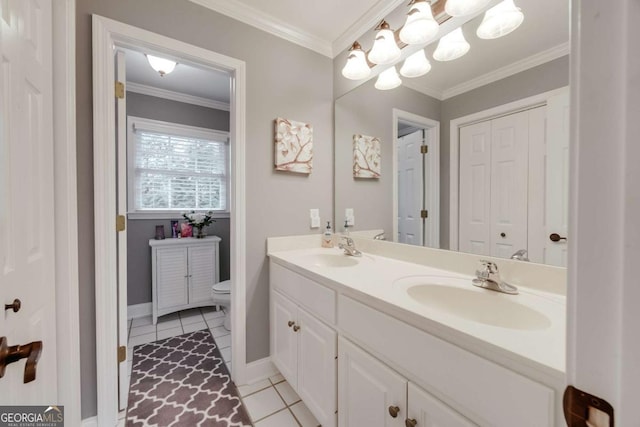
x=175, y=172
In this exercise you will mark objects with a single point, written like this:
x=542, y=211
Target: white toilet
x=221, y=295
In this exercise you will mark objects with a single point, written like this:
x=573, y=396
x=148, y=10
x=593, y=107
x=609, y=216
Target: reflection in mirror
x=494, y=178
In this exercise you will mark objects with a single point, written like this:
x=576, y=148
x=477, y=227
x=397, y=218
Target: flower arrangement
x=199, y=220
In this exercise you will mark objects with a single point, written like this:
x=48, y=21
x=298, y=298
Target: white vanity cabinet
x=183, y=272
x=304, y=349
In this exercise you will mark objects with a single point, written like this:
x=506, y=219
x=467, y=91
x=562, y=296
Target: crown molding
x=176, y=96
x=268, y=23
x=429, y=91
x=509, y=70
x=365, y=23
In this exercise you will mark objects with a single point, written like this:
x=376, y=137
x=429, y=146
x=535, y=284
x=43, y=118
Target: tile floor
x=270, y=402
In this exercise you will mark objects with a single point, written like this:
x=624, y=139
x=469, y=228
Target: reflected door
x=410, y=189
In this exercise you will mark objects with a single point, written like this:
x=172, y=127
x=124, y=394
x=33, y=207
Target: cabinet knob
x=503, y=235
x=394, y=411
x=296, y=328
x=409, y=422
x=291, y=323
x=15, y=306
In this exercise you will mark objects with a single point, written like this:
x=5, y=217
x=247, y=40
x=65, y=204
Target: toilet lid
x=222, y=287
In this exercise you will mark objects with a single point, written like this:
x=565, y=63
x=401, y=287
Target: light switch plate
x=350, y=217
x=314, y=217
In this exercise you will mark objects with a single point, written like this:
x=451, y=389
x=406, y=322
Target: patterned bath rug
x=183, y=381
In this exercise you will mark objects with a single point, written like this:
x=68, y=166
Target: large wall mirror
x=472, y=156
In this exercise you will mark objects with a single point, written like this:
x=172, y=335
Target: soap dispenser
x=327, y=236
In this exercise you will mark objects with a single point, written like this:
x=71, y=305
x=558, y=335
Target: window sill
x=170, y=215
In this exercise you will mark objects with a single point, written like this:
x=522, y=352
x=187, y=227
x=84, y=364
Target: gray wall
x=540, y=79
x=283, y=80
x=139, y=231
x=367, y=110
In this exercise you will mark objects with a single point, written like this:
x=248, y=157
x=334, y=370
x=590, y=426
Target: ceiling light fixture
x=416, y=65
x=452, y=46
x=385, y=50
x=356, y=67
x=500, y=20
x=420, y=26
x=388, y=79
x=161, y=65
x=464, y=7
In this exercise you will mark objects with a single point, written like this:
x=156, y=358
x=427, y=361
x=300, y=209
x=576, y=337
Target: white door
x=284, y=348
x=202, y=273
x=557, y=202
x=509, y=183
x=317, y=368
x=26, y=198
x=121, y=187
x=368, y=391
x=427, y=411
x=410, y=189
x=475, y=189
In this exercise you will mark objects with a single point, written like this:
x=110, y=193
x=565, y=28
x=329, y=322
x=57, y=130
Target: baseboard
x=139, y=310
x=260, y=369
x=90, y=422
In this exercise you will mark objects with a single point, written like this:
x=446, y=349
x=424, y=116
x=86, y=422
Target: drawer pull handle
x=296, y=328
x=291, y=323
x=410, y=422
x=394, y=411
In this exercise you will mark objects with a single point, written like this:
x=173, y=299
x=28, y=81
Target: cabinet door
x=428, y=411
x=202, y=266
x=171, y=277
x=367, y=389
x=317, y=367
x=284, y=349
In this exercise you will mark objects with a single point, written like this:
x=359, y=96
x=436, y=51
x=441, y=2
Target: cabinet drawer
x=318, y=299
x=486, y=392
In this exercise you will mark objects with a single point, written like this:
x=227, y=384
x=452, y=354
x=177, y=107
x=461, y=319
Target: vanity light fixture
x=420, y=26
x=464, y=7
x=356, y=67
x=161, y=65
x=388, y=79
x=500, y=20
x=452, y=46
x=385, y=50
x=416, y=65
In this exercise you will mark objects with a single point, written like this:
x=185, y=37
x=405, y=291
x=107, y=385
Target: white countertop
x=384, y=281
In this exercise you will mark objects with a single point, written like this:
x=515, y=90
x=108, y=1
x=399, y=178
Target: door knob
x=555, y=237
x=30, y=351
x=394, y=411
x=291, y=323
x=410, y=422
x=503, y=235
x=15, y=306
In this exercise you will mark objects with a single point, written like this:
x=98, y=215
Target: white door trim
x=106, y=34
x=432, y=195
x=454, y=148
x=66, y=208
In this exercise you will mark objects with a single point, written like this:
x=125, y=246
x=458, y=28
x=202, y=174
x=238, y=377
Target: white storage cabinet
x=183, y=272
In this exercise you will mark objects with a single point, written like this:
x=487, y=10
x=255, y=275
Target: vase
x=200, y=234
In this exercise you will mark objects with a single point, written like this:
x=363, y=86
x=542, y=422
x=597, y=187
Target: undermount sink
x=332, y=260
x=484, y=306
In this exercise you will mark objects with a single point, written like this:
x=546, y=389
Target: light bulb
x=452, y=46
x=385, y=50
x=161, y=65
x=420, y=26
x=464, y=7
x=388, y=79
x=416, y=65
x=356, y=67
x=500, y=20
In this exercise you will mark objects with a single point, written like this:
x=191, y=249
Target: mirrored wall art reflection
x=293, y=146
x=366, y=156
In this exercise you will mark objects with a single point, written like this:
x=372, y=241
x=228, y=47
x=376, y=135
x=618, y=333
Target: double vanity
x=399, y=336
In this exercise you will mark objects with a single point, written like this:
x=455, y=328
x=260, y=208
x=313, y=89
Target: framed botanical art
x=293, y=146
x=366, y=156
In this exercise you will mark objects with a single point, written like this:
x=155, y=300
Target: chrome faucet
x=488, y=277
x=380, y=236
x=520, y=255
x=349, y=247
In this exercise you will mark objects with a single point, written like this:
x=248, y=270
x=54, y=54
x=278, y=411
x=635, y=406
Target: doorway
x=416, y=174
x=109, y=34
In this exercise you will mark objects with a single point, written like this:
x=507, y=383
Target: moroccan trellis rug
x=183, y=381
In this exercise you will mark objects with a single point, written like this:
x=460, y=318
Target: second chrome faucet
x=488, y=277
x=349, y=247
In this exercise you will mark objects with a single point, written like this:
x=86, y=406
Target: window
x=175, y=168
